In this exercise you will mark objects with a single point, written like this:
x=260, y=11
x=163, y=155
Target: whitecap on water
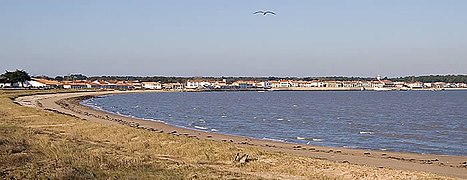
x=366, y=132
x=313, y=139
x=223, y=116
x=214, y=130
x=271, y=139
x=280, y=119
x=201, y=127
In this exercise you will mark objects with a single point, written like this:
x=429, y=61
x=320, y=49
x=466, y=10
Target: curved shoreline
x=454, y=166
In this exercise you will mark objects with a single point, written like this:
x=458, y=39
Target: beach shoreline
x=69, y=103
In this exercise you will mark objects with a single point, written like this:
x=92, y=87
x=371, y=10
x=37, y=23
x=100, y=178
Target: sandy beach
x=68, y=103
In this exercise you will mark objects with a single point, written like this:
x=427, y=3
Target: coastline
x=453, y=166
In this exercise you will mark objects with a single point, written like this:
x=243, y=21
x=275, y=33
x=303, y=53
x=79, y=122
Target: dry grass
x=35, y=144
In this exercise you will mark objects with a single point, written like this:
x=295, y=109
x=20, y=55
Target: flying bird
x=264, y=12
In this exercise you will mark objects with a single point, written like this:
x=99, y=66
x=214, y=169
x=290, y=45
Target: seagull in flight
x=264, y=12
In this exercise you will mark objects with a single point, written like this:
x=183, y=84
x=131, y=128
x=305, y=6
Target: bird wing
x=258, y=12
x=270, y=12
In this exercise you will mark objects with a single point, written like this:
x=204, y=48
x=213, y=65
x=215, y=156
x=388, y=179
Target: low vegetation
x=36, y=144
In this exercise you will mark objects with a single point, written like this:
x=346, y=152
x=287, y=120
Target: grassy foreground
x=36, y=144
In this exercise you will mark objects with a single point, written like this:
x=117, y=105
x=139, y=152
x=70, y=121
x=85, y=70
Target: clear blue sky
x=223, y=37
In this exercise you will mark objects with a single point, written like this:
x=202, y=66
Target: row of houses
x=97, y=84
x=206, y=84
x=199, y=84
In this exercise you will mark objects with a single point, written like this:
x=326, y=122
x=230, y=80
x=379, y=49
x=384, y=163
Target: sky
x=224, y=38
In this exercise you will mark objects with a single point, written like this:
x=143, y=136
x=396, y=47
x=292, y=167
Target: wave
x=310, y=139
x=366, y=132
x=271, y=139
x=201, y=127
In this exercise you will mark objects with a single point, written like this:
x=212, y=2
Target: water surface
x=409, y=121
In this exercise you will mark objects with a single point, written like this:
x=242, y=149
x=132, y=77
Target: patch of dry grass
x=36, y=144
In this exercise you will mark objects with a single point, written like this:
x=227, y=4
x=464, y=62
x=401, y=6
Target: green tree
x=3, y=79
x=18, y=76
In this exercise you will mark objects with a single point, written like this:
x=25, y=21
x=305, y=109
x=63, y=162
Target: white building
x=263, y=84
x=415, y=85
x=36, y=84
x=151, y=85
x=43, y=83
x=284, y=84
x=3, y=85
x=317, y=84
x=197, y=84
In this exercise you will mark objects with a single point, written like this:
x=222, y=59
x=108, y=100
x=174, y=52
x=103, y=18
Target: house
x=304, y=84
x=366, y=83
x=284, y=83
x=333, y=84
x=415, y=85
x=294, y=83
x=389, y=83
x=439, y=85
x=172, y=86
x=263, y=84
x=151, y=85
x=317, y=83
x=221, y=84
x=43, y=83
x=136, y=84
x=400, y=84
x=428, y=85
x=194, y=84
x=376, y=84
x=124, y=85
x=461, y=85
x=75, y=85
x=104, y=84
x=350, y=84
x=245, y=84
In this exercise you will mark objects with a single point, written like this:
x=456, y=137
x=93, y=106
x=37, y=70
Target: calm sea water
x=411, y=121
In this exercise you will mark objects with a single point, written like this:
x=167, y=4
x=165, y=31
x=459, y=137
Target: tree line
x=434, y=78
x=173, y=79
x=20, y=76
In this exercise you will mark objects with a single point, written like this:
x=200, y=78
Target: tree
x=3, y=79
x=74, y=77
x=18, y=76
x=59, y=78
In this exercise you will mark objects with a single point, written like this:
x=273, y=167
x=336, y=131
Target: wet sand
x=68, y=103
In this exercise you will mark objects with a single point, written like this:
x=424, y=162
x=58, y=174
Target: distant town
x=20, y=79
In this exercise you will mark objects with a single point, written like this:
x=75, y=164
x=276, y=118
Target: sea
x=427, y=122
